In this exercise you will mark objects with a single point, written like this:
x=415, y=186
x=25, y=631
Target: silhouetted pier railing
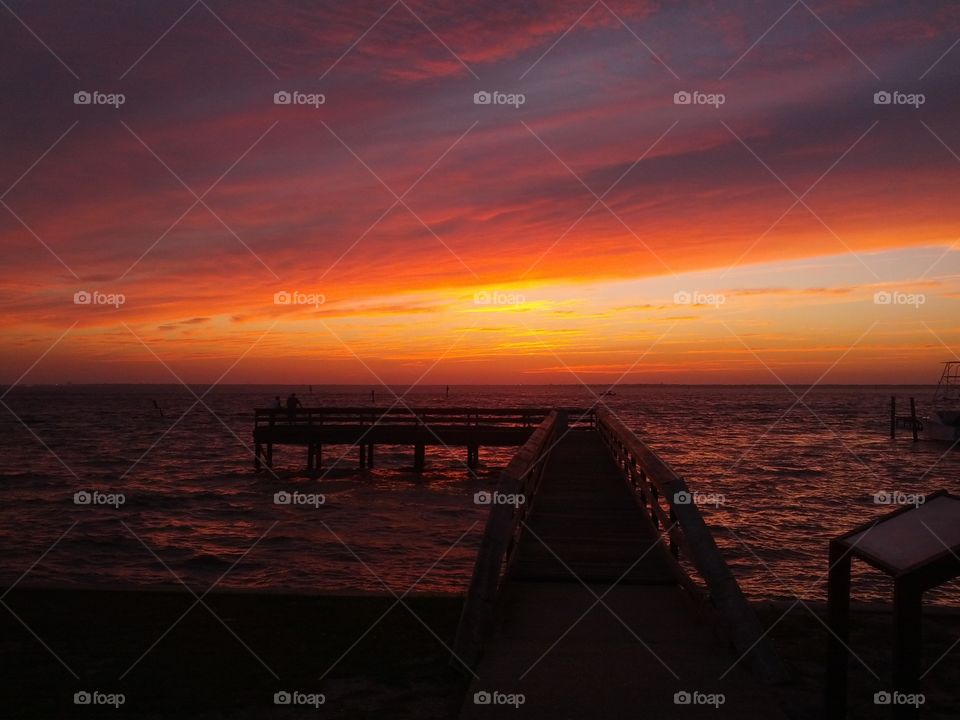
x=520, y=478
x=673, y=509
x=592, y=509
x=366, y=427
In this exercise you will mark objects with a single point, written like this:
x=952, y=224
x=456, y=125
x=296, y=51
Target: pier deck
x=581, y=606
x=586, y=525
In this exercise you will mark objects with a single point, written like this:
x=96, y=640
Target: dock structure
x=364, y=428
x=603, y=593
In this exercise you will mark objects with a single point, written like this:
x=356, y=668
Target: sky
x=388, y=225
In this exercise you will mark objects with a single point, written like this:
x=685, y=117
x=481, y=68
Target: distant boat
x=944, y=422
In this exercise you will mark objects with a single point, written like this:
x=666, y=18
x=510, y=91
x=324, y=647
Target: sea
x=174, y=499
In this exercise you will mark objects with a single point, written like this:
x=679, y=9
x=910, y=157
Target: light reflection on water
x=789, y=483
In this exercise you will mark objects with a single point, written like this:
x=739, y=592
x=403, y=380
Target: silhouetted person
x=277, y=405
x=292, y=404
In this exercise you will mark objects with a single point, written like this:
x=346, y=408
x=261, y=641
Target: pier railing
x=520, y=479
x=672, y=507
x=419, y=427
x=406, y=416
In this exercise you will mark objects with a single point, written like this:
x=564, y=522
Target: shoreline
x=367, y=654
x=760, y=604
x=174, y=657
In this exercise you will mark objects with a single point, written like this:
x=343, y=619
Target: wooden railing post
x=654, y=502
x=674, y=548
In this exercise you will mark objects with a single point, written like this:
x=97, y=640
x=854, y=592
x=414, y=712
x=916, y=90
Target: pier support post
x=363, y=455
x=369, y=455
x=256, y=457
x=473, y=456
x=419, y=457
x=913, y=418
x=309, y=458
x=270, y=455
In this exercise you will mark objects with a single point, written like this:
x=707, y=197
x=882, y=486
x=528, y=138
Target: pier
x=364, y=428
x=598, y=588
x=603, y=594
x=905, y=422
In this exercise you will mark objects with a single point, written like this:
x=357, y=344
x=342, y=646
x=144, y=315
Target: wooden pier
x=364, y=428
x=905, y=422
x=578, y=601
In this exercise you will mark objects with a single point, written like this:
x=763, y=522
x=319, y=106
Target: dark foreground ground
x=801, y=641
x=199, y=669
x=203, y=668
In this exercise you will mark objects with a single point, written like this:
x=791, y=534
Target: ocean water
x=196, y=513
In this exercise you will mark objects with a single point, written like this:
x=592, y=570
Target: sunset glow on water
x=197, y=502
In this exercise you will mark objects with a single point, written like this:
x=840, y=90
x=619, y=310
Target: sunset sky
x=597, y=231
